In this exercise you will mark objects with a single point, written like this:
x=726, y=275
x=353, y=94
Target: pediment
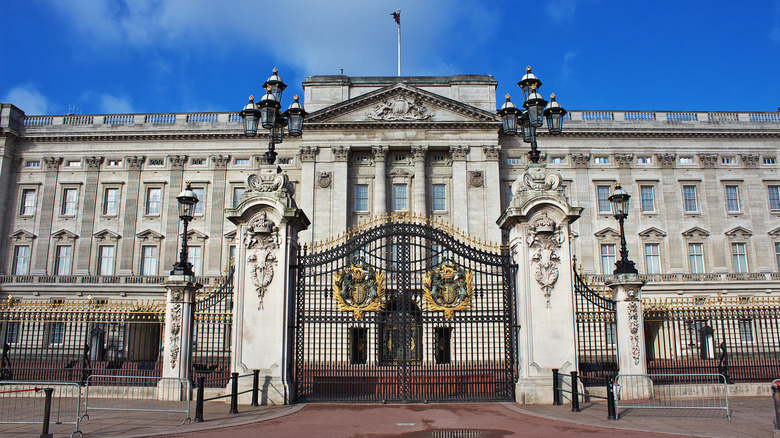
x=107, y=235
x=64, y=235
x=196, y=235
x=607, y=233
x=652, y=233
x=775, y=232
x=696, y=232
x=230, y=235
x=148, y=235
x=22, y=236
x=401, y=103
x=739, y=232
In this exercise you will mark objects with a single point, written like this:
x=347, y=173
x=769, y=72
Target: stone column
x=217, y=214
x=380, y=179
x=308, y=156
x=539, y=220
x=419, y=153
x=47, y=193
x=170, y=254
x=339, y=210
x=268, y=223
x=82, y=255
x=11, y=121
x=177, y=345
x=130, y=214
x=460, y=186
x=493, y=188
x=630, y=332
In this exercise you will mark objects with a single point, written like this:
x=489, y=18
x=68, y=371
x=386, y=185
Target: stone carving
x=262, y=242
x=340, y=153
x=633, y=327
x=175, y=326
x=419, y=153
x=359, y=289
x=536, y=178
x=220, y=161
x=380, y=152
x=309, y=153
x=52, y=163
x=459, y=153
x=93, y=163
x=624, y=160
x=177, y=161
x=448, y=288
x=750, y=160
x=323, y=179
x=580, y=160
x=135, y=162
x=476, y=179
x=400, y=108
x=545, y=238
x=269, y=182
x=666, y=160
x=708, y=160
x=491, y=152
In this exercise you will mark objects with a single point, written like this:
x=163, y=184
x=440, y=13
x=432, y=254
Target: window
x=358, y=340
x=13, y=328
x=242, y=161
x=195, y=256
x=148, y=260
x=439, y=197
x=63, y=256
x=601, y=160
x=607, y=258
x=728, y=160
x=603, y=198
x=399, y=197
x=652, y=258
x=153, y=201
x=443, y=337
x=648, y=199
x=689, y=199
x=70, y=200
x=114, y=163
x=732, y=198
x=514, y=161
x=237, y=192
x=361, y=158
x=557, y=160
x=232, y=254
x=686, y=160
x=74, y=164
x=56, y=333
x=610, y=330
x=769, y=160
x=33, y=164
x=111, y=201
x=28, y=202
x=439, y=157
x=746, y=330
x=436, y=254
x=156, y=162
x=774, y=198
x=285, y=160
x=739, y=256
x=21, y=260
x=200, y=207
x=198, y=161
x=777, y=255
x=642, y=160
x=696, y=258
x=105, y=260
x=361, y=197
x=400, y=157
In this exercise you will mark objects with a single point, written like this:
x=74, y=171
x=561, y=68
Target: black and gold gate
x=404, y=309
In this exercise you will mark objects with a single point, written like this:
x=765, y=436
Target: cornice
x=62, y=137
x=368, y=125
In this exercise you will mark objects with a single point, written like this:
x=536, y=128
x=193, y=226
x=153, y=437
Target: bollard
x=234, y=393
x=199, y=400
x=47, y=413
x=556, y=389
x=255, y=385
x=575, y=396
x=611, y=409
x=776, y=398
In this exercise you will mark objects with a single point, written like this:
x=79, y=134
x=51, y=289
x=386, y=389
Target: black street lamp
x=619, y=200
x=187, y=200
x=267, y=114
x=533, y=116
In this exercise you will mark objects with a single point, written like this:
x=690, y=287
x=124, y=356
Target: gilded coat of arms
x=448, y=288
x=359, y=289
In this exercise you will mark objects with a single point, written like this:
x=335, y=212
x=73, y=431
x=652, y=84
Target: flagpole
x=399, y=43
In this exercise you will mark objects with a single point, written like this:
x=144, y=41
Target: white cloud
x=114, y=105
x=28, y=99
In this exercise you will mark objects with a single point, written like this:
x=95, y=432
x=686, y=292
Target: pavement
x=750, y=417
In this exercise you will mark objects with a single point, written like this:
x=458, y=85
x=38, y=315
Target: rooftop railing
x=95, y=279
x=675, y=278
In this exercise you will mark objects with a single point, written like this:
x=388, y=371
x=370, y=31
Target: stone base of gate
x=272, y=391
x=534, y=391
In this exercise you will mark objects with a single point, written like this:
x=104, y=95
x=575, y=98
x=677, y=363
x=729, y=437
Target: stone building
x=92, y=198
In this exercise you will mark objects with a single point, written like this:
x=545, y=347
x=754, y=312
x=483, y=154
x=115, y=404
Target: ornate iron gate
x=213, y=323
x=596, y=320
x=404, y=309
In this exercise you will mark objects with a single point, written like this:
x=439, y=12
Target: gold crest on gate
x=359, y=289
x=448, y=288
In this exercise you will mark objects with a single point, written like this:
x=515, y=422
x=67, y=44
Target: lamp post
x=620, y=201
x=267, y=114
x=532, y=117
x=187, y=200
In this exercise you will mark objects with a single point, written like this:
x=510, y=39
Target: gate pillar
x=177, y=342
x=538, y=220
x=630, y=332
x=268, y=223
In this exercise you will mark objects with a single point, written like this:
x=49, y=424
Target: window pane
x=149, y=260
x=21, y=260
x=732, y=198
x=439, y=197
x=195, y=256
x=56, y=333
x=237, y=192
x=740, y=257
x=106, y=260
x=652, y=258
x=361, y=197
x=777, y=255
x=28, y=202
x=607, y=259
x=399, y=197
x=696, y=258
x=111, y=202
x=153, y=201
x=746, y=330
x=774, y=198
x=200, y=207
x=603, y=198
x=70, y=199
x=648, y=200
x=689, y=196
x=12, y=332
x=62, y=262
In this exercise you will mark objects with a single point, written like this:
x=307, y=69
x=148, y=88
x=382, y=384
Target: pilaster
x=217, y=214
x=308, y=155
x=340, y=188
x=419, y=154
x=49, y=191
x=460, y=186
x=82, y=255
x=171, y=252
x=380, y=179
x=492, y=190
x=130, y=213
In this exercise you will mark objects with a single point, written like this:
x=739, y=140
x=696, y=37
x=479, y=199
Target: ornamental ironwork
x=359, y=289
x=448, y=288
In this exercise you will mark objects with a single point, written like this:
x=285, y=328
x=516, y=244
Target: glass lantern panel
x=268, y=115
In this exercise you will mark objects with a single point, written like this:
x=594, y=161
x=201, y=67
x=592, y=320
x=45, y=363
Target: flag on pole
x=397, y=17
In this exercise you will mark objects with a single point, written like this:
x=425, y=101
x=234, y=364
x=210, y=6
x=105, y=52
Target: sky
x=160, y=56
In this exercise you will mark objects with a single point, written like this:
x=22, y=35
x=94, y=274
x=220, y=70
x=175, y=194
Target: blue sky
x=146, y=56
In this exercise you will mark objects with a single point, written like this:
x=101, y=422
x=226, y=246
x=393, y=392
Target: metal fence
x=213, y=327
x=137, y=393
x=22, y=403
x=596, y=331
x=738, y=337
x=672, y=391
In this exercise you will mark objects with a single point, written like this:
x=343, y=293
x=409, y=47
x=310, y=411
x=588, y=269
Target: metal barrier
x=233, y=393
x=672, y=391
x=575, y=392
x=21, y=403
x=134, y=393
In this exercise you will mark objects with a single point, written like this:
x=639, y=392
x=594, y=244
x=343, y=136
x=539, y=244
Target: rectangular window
x=642, y=160
x=21, y=260
x=198, y=161
x=195, y=256
x=111, y=202
x=12, y=331
x=648, y=199
x=437, y=254
x=746, y=330
x=70, y=200
x=514, y=161
x=601, y=160
x=689, y=199
x=358, y=341
x=439, y=197
x=361, y=197
x=33, y=164
x=610, y=330
x=607, y=258
x=777, y=255
x=149, y=260
x=62, y=261
x=443, y=353
x=232, y=254
x=114, y=163
x=603, y=198
x=200, y=207
x=774, y=198
x=686, y=160
x=652, y=258
x=28, y=202
x=557, y=160
x=696, y=258
x=237, y=192
x=153, y=201
x=74, y=163
x=769, y=160
x=105, y=260
x=728, y=160
x=399, y=197
x=242, y=161
x=56, y=333
x=739, y=255
x=732, y=198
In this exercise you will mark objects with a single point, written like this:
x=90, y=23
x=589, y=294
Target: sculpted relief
x=401, y=108
x=262, y=242
x=545, y=238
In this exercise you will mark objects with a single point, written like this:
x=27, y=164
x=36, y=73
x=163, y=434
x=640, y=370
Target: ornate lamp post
x=619, y=200
x=533, y=116
x=267, y=114
x=187, y=200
